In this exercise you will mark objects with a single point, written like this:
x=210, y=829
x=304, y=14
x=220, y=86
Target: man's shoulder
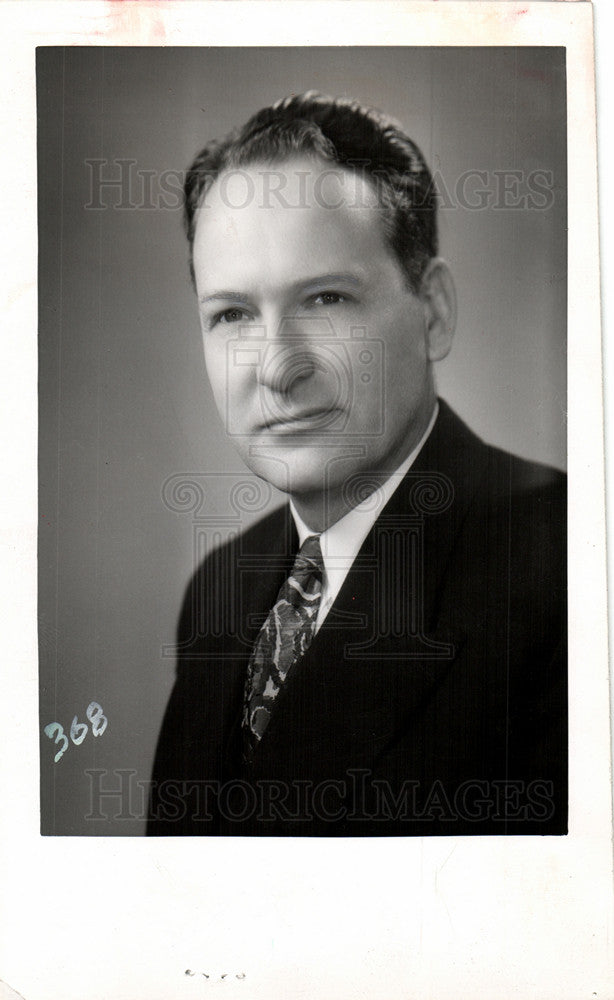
x=269, y=541
x=487, y=468
x=504, y=508
x=270, y=536
x=509, y=475
x=491, y=494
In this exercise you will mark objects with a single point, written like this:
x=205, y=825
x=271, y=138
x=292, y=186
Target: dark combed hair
x=341, y=131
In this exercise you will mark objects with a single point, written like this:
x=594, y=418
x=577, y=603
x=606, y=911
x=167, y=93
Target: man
x=392, y=654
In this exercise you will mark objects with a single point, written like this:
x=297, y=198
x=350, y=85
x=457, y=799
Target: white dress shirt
x=341, y=542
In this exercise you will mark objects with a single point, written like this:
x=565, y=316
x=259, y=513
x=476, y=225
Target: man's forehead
x=292, y=184
x=279, y=224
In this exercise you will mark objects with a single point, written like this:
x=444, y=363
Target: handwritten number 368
x=78, y=730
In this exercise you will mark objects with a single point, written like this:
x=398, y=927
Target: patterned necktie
x=282, y=640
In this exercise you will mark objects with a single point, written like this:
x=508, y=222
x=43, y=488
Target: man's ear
x=438, y=294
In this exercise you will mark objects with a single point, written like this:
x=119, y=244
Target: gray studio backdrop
x=127, y=421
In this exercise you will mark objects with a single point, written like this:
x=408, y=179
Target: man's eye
x=232, y=315
x=328, y=298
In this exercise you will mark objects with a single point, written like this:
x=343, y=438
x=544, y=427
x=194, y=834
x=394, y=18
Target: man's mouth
x=315, y=418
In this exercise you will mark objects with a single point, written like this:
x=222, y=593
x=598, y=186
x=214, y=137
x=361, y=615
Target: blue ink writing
x=78, y=730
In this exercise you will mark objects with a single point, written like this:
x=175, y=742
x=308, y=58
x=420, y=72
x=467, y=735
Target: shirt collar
x=342, y=541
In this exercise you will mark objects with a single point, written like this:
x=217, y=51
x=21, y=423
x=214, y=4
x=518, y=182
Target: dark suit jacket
x=433, y=698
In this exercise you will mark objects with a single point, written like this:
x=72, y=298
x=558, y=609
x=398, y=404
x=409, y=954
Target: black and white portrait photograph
x=255, y=482
x=310, y=671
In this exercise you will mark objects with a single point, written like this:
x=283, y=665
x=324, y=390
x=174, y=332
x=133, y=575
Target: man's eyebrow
x=304, y=284
x=225, y=296
x=328, y=279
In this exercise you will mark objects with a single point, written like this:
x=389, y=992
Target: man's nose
x=291, y=356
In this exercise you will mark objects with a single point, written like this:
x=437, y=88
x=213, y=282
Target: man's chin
x=293, y=470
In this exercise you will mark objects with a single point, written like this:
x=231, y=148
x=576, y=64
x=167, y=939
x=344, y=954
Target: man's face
x=316, y=349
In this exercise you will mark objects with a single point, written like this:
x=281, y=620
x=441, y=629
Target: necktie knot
x=308, y=568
